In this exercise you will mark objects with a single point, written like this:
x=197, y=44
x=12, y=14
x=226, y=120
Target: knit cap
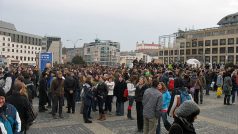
x=187, y=108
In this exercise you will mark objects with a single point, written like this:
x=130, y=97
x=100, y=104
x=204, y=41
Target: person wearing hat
x=9, y=116
x=185, y=115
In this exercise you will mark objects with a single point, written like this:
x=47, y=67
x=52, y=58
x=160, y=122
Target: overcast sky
x=124, y=21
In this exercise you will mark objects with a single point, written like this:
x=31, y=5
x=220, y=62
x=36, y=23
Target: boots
x=129, y=115
x=103, y=117
x=100, y=117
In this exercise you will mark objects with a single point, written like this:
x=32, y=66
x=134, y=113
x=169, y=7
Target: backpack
x=171, y=84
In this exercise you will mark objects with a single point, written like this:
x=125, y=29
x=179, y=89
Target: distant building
x=72, y=52
x=148, y=48
x=104, y=52
x=18, y=46
x=209, y=45
x=54, y=45
x=127, y=58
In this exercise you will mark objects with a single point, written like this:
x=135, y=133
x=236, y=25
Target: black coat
x=119, y=90
x=140, y=92
x=70, y=84
x=101, y=90
x=43, y=90
x=23, y=107
x=179, y=127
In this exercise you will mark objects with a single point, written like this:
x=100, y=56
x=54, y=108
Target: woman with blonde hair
x=140, y=89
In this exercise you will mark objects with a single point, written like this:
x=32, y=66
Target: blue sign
x=46, y=58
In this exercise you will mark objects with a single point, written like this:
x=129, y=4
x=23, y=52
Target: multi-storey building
x=103, y=52
x=72, y=52
x=147, y=48
x=18, y=46
x=127, y=58
x=54, y=45
x=210, y=45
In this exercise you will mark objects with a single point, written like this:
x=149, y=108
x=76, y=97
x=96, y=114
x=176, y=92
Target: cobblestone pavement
x=215, y=118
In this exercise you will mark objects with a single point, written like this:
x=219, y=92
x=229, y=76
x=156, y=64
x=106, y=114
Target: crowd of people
x=157, y=90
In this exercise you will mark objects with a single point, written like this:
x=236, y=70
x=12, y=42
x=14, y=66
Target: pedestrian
x=119, y=89
x=198, y=89
x=166, y=102
x=43, y=92
x=152, y=106
x=131, y=95
x=57, y=89
x=234, y=87
x=87, y=98
x=140, y=89
x=110, y=86
x=227, y=88
x=9, y=116
x=70, y=89
x=185, y=115
x=101, y=93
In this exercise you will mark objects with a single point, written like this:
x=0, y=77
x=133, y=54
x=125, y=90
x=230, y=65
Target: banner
x=45, y=60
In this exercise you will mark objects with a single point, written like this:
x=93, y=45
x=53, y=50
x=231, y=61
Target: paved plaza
x=215, y=118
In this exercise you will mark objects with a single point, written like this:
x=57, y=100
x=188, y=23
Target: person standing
x=152, y=106
x=185, y=115
x=234, y=87
x=57, y=89
x=131, y=95
x=43, y=92
x=87, y=98
x=70, y=90
x=140, y=89
x=101, y=93
x=120, y=87
x=110, y=85
x=227, y=87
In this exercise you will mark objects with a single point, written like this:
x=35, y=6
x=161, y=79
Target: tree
x=78, y=60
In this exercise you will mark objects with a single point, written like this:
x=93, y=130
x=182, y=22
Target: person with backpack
x=166, y=101
x=179, y=95
x=171, y=82
x=185, y=115
x=227, y=87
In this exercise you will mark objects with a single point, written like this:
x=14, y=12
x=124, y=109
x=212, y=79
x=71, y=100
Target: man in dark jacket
x=57, y=89
x=43, y=92
x=87, y=97
x=120, y=87
x=70, y=91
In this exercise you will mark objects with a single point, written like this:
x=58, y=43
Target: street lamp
x=75, y=42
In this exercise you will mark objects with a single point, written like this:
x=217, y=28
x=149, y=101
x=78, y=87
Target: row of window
x=20, y=46
x=215, y=33
x=21, y=39
x=21, y=58
x=215, y=42
x=222, y=50
x=18, y=51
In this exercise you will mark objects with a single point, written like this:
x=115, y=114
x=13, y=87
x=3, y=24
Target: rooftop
x=229, y=19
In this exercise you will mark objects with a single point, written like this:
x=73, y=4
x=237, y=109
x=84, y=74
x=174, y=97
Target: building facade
x=210, y=45
x=18, y=46
x=103, y=52
x=54, y=45
x=72, y=52
x=127, y=58
x=147, y=48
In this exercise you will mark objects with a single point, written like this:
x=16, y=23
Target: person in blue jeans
x=166, y=102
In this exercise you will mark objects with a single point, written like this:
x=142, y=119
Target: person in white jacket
x=131, y=95
x=108, y=103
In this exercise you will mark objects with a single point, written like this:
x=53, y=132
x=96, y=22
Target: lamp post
x=75, y=42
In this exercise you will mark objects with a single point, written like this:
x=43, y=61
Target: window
x=222, y=41
x=230, y=59
x=188, y=44
x=8, y=39
x=32, y=58
x=214, y=42
x=21, y=58
x=24, y=46
x=20, y=51
x=207, y=59
x=222, y=59
x=188, y=52
x=17, y=57
x=236, y=40
x=12, y=56
x=12, y=45
x=230, y=49
x=222, y=50
x=3, y=49
x=194, y=51
x=29, y=52
x=88, y=50
x=21, y=46
x=8, y=44
x=166, y=52
x=29, y=59
x=35, y=48
x=38, y=48
x=200, y=51
x=171, y=52
x=207, y=50
x=207, y=43
x=214, y=59
x=25, y=51
x=200, y=43
x=12, y=50
x=24, y=58
x=181, y=52
x=160, y=53
x=194, y=44
x=17, y=51
x=3, y=38
x=3, y=44
x=231, y=41
x=17, y=46
x=175, y=52
x=182, y=45
x=29, y=47
x=214, y=50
